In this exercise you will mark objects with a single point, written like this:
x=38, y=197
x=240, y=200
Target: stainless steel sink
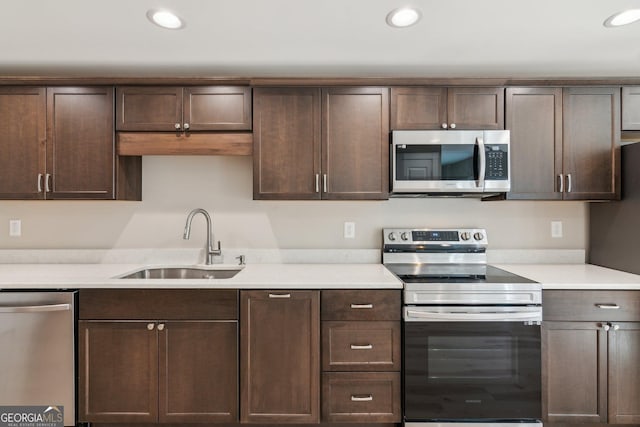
x=181, y=273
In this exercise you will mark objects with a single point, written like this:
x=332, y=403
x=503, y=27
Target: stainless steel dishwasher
x=37, y=350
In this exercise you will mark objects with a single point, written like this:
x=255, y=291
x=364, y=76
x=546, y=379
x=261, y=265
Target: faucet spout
x=211, y=252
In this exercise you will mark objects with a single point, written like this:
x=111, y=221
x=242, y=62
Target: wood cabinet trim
x=171, y=144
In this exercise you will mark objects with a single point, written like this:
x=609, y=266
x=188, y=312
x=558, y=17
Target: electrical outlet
x=15, y=228
x=349, y=230
x=556, y=229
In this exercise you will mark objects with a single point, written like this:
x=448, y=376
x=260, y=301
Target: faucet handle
x=241, y=260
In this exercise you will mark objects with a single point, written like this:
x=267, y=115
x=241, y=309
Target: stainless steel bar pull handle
x=324, y=182
x=317, y=183
x=361, y=397
x=561, y=183
x=362, y=347
x=36, y=308
x=39, y=183
x=569, y=186
x=279, y=295
x=47, y=179
x=482, y=169
x=361, y=306
x=608, y=306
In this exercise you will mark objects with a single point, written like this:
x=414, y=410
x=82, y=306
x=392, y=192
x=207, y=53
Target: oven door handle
x=498, y=316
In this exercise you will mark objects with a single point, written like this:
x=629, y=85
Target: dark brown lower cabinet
x=280, y=356
x=591, y=369
x=182, y=369
x=158, y=371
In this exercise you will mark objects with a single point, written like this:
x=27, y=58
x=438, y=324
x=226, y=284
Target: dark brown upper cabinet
x=534, y=118
x=631, y=108
x=170, y=108
x=591, y=143
x=447, y=108
x=191, y=120
x=321, y=143
x=57, y=143
x=564, y=143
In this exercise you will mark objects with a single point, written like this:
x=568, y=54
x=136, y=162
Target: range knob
x=404, y=236
x=465, y=235
x=478, y=236
x=392, y=237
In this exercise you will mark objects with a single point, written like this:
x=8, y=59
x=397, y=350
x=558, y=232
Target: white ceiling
x=321, y=38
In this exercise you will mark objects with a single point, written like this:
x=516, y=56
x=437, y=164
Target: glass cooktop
x=454, y=273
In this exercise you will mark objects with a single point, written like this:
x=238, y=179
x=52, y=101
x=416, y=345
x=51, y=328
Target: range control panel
x=426, y=236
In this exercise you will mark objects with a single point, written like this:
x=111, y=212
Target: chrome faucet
x=211, y=252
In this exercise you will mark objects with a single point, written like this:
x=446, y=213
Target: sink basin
x=181, y=273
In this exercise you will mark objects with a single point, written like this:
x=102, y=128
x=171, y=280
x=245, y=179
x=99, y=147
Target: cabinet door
x=80, y=143
x=355, y=143
x=286, y=143
x=476, y=108
x=631, y=108
x=574, y=372
x=624, y=372
x=534, y=117
x=418, y=108
x=149, y=108
x=198, y=372
x=22, y=142
x=217, y=108
x=117, y=372
x=280, y=356
x=591, y=133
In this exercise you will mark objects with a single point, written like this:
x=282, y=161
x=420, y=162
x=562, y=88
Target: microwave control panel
x=497, y=156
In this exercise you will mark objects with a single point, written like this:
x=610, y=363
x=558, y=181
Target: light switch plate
x=349, y=230
x=15, y=228
x=556, y=229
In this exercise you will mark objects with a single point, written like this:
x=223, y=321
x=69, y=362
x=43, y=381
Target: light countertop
x=292, y=276
x=575, y=276
x=252, y=276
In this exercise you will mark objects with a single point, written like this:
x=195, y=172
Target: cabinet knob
x=161, y=327
x=453, y=126
x=606, y=327
x=444, y=126
x=616, y=327
x=150, y=326
x=186, y=126
x=177, y=126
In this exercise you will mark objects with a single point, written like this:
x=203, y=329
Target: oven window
x=472, y=359
x=436, y=162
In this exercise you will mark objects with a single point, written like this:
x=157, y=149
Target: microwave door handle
x=482, y=160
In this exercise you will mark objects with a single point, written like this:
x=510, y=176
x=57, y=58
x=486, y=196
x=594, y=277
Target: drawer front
x=361, y=305
x=361, y=397
x=158, y=304
x=361, y=346
x=591, y=305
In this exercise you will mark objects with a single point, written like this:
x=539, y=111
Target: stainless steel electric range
x=471, y=331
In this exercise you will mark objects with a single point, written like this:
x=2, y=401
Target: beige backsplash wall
x=172, y=186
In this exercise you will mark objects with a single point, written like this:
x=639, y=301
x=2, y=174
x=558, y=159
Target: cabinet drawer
x=158, y=304
x=361, y=305
x=591, y=305
x=361, y=397
x=361, y=346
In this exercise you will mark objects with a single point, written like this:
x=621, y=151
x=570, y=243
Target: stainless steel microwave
x=450, y=162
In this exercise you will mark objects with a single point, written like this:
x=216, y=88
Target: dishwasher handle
x=35, y=308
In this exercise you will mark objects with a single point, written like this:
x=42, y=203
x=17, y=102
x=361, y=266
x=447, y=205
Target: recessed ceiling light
x=623, y=18
x=403, y=17
x=165, y=19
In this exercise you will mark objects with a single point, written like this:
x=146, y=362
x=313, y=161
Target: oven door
x=472, y=370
